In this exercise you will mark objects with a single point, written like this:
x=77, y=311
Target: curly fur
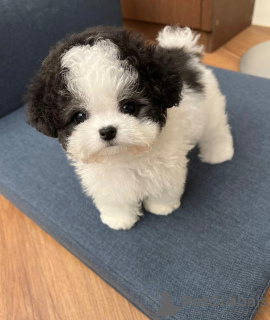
x=178, y=105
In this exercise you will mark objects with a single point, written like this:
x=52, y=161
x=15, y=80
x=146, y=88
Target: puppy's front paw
x=161, y=208
x=123, y=222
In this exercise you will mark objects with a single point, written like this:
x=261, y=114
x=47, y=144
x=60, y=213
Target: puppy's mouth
x=111, y=144
x=112, y=150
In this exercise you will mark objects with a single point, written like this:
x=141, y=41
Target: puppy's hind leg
x=216, y=143
x=216, y=146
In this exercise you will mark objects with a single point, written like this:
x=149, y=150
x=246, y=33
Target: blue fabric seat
x=216, y=247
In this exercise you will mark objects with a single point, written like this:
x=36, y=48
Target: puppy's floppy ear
x=39, y=115
x=165, y=77
x=42, y=98
x=40, y=119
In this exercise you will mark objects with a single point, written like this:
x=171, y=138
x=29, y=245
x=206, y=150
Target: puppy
x=127, y=113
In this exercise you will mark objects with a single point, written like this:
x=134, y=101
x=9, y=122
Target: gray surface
x=216, y=244
x=256, y=61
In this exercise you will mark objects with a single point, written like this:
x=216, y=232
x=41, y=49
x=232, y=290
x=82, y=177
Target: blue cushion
x=216, y=245
x=29, y=28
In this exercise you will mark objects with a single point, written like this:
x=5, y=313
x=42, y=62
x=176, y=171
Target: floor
x=228, y=56
x=41, y=280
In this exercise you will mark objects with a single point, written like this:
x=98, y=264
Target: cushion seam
x=258, y=304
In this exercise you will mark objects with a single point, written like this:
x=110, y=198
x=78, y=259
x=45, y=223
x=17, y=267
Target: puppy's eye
x=79, y=117
x=128, y=107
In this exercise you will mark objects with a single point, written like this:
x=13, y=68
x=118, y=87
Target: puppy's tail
x=180, y=38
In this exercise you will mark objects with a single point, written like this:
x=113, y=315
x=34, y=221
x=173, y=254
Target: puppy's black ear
x=165, y=77
x=39, y=116
x=38, y=113
x=42, y=98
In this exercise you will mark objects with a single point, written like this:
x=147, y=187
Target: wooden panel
x=206, y=17
x=148, y=29
x=229, y=18
x=220, y=19
x=204, y=39
x=181, y=12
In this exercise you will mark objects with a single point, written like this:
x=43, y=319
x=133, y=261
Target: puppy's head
x=103, y=93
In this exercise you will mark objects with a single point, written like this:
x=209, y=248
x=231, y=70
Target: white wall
x=261, y=14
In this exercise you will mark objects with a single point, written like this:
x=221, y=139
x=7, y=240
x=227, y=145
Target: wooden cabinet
x=217, y=20
x=163, y=11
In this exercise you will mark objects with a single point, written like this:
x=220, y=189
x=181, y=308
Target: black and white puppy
x=127, y=113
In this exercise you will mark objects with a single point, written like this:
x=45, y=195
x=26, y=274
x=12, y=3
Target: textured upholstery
x=30, y=27
x=216, y=244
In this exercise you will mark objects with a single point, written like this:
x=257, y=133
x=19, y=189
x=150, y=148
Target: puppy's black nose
x=108, y=133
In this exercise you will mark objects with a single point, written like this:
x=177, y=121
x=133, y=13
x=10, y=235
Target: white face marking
x=97, y=76
x=99, y=80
